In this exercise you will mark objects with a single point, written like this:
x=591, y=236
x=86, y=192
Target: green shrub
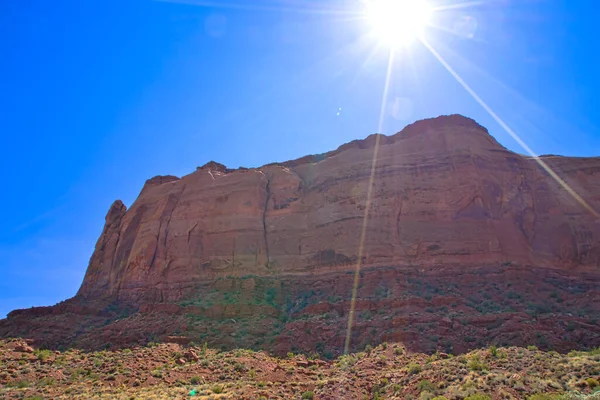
x=592, y=382
x=194, y=380
x=308, y=395
x=42, y=355
x=18, y=384
x=493, y=351
x=346, y=361
x=532, y=348
x=239, y=367
x=425, y=386
x=414, y=368
x=157, y=373
x=217, y=389
x=475, y=364
x=47, y=381
x=478, y=397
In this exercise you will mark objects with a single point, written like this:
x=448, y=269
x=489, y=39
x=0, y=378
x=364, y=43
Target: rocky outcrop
x=445, y=197
x=444, y=192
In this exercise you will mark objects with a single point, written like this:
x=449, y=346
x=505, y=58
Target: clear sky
x=98, y=96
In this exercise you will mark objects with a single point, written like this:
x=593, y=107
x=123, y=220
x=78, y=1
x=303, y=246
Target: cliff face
x=466, y=243
x=444, y=192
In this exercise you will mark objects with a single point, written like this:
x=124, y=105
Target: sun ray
x=369, y=57
x=523, y=107
x=466, y=4
x=454, y=33
x=513, y=92
x=512, y=133
x=363, y=232
x=314, y=9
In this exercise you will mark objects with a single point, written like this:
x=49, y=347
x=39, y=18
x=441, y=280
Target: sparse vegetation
x=592, y=382
x=414, y=368
x=425, y=386
x=475, y=363
x=155, y=373
x=42, y=354
x=478, y=397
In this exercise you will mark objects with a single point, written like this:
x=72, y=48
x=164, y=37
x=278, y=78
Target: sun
x=398, y=22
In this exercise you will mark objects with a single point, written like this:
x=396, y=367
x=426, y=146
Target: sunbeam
x=312, y=9
x=364, y=64
x=454, y=32
x=516, y=137
x=363, y=232
x=457, y=6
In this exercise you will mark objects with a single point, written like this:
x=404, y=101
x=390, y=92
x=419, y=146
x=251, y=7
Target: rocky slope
x=466, y=243
x=171, y=371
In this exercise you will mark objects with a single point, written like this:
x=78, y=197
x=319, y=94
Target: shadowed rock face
x=444, y=192
x=447, y=200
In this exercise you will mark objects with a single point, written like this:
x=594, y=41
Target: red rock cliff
x=445, y=192
x=467, y=244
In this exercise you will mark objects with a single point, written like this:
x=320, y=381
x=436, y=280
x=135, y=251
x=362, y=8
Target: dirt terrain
x=389, y=371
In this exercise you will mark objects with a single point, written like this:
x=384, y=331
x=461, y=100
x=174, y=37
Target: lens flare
x=398, y=22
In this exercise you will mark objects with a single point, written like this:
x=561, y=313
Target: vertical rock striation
x=444, y=192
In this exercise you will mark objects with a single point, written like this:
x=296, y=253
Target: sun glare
x=398, y=22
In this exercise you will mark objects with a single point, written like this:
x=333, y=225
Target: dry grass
x=387, y=371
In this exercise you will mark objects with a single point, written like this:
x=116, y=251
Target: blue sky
x=98, y=96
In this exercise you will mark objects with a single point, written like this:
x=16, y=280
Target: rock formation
x=451, y=208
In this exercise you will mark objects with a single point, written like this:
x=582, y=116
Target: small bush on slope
x=478, y=397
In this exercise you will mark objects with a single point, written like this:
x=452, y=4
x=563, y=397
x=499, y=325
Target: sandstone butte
x=467, y=244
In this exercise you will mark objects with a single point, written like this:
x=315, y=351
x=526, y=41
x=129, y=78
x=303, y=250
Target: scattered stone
x=23, y=348
x=191, y=355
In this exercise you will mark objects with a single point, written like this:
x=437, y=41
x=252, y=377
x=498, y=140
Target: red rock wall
x=445, y=192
